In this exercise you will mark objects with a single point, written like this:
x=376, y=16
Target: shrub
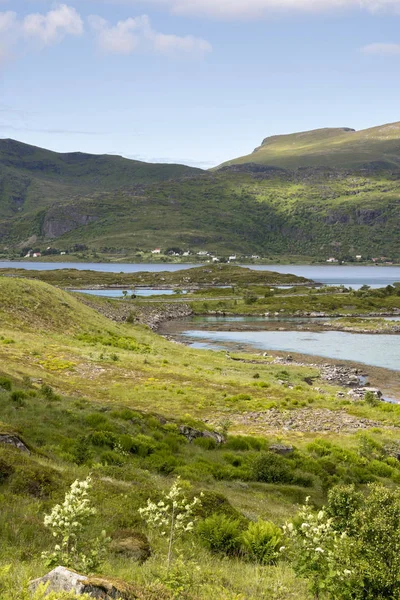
x=68, y=522
x=6, y=470
x=109, y=457
x=343, y=502
x=6, y=384
x=261, y=542
x=206, y=443
x=32, y=480
x=18, y=398
x=271, y=468
x=220, y=534
x=99, y=422
x=239, y=443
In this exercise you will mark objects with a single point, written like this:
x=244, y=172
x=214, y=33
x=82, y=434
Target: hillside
x=108, y=204
x=84, y=395
x=342, y=148
x=33, y=178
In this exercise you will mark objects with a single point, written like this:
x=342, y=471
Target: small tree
x=172, y=516
x=68, y=522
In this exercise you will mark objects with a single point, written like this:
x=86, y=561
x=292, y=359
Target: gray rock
x=281, y=449
x=14, y=441
x=191, y=434
x=61, y=579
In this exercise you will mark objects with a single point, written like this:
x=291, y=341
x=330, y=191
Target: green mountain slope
x=63, y=200
x=32, y=178
x=339, y=148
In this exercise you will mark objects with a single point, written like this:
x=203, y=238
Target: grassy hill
x=88, y=395
x=342, y=148
x=119, y=206
x=32, y=178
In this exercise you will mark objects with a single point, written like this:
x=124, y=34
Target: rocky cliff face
x=60, y=220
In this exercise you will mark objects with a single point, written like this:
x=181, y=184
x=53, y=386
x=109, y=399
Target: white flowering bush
x=68, y=522
x=318, y=552
x=172, y=516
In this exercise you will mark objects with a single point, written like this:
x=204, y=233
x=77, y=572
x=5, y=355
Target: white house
x=331, y=260
x=156, y=251
x=233, y=257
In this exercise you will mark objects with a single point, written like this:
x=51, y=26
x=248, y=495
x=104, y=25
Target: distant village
x=175, y=253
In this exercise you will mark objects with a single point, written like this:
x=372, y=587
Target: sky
x=193, y=81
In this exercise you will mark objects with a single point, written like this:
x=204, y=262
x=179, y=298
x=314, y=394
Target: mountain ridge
x=112, y=204
x=341, y=147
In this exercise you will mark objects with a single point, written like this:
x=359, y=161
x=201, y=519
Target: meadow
x=89, y=395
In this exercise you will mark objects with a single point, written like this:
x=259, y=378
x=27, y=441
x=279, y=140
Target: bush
x=206, y=443
x=6, y=384
x=271, y=468
x=33, y=480
x=6, y=470
x=343, y=502
x=239, y=443
x=18, y=398
x=220, y=534
x=261, y=542
x=99, y=422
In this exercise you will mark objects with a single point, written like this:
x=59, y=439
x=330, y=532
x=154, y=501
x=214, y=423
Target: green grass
x=87, y=394
x=341, y=147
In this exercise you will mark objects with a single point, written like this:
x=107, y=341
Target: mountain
x=115, y=205
x=32, y=177
x=342, y=148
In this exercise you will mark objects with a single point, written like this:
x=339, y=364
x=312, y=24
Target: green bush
x=271, y=468
x=109, y=457
x=6, y=470
x=18, y=398
x=206, y=443
x=239, y=443
x=6, y=384
x=99, y=422
x=343, y=502
x=33, y=480
x=220, y=534
x=261, y=542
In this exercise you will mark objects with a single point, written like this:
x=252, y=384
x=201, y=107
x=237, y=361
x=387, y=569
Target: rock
x=61, y=579
x=191, y=434
x=281, y=449
x=14, y=441
x=132, y=544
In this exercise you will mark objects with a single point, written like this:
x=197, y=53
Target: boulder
x=14, y=441
x=61, y=579
x=191, y=434
x=281, y=449
x=132, y=544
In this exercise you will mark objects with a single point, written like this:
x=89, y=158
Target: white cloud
x=54, y=25
x=259, y=8
x=382, y=49
x=137, y=34
x=7, y=21
x=47, y=29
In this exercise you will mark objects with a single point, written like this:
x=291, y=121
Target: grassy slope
x=310, y=212
x=33, y=178
x=343, y=148
x=112, y=378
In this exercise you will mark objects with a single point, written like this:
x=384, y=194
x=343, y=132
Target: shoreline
x=386, y=380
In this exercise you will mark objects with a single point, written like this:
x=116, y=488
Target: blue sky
x=193, y=81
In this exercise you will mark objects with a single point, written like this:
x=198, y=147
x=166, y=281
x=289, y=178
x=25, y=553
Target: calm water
x=375, y=350
x=118, y=293
x=350, y=276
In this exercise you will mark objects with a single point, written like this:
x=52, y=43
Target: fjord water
x=375, y=350
x=350, y=276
